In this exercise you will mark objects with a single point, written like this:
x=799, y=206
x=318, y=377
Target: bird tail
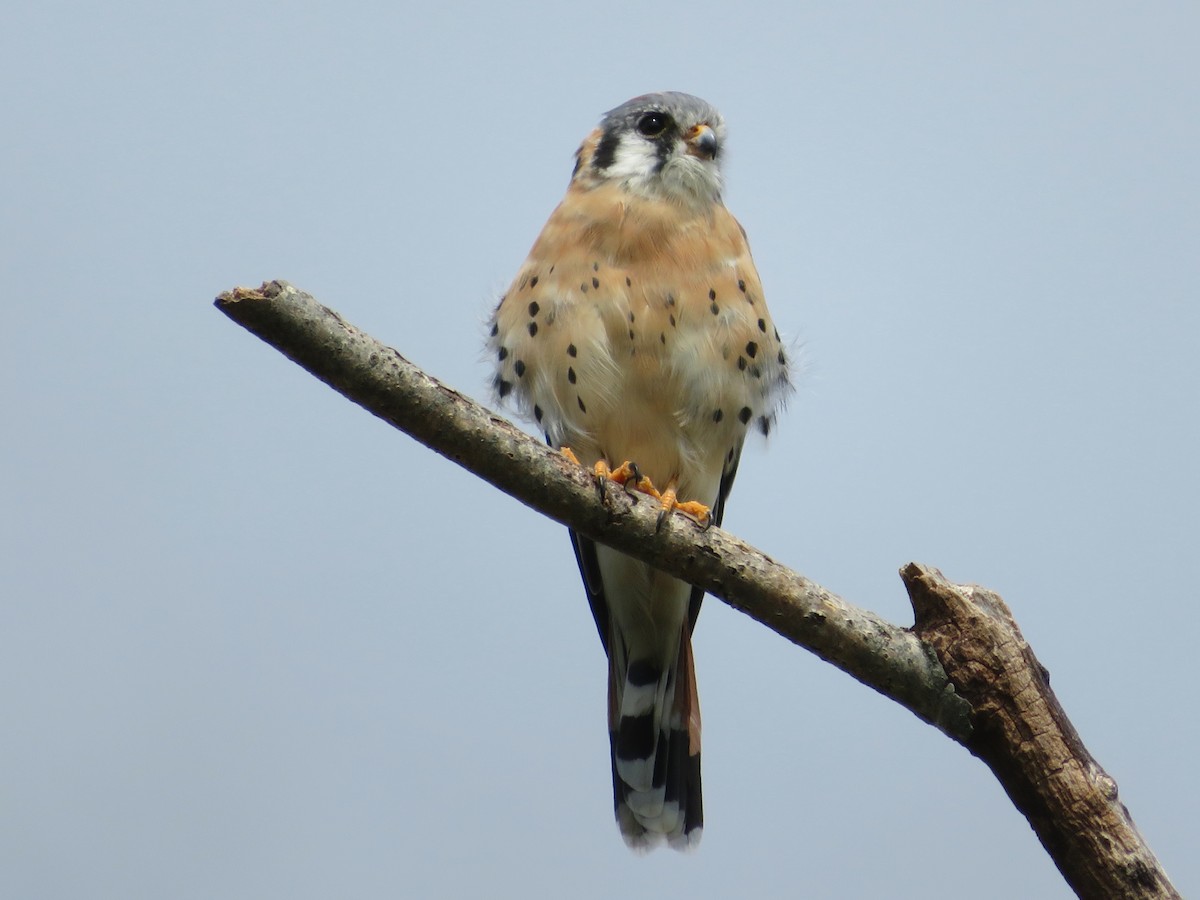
x=654, y=736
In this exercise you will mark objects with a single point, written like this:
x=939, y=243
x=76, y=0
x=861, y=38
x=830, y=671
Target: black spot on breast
x=533, y=281
x=762, y=325
x=714, y=309
x=742, y=285
x=782, y=359
x=503, y=387
x=776, y=334
x=671, y=319
x=631, y=334
x=571, y=351
x=502, y=353
x=582, y=408
x=595, y=282
x=495, y=329
x=533, y=308
x=533, y=329
x=712, y=294
x=583, y=287
x=537, y=413
x=670, y=299
x=519, y=367
x=631, y=318
x=755, y=372
x=741, y=364
x=628, y=283
x=745, y=414
x=718, y=415
x=596, y=266
x=662, y=338
x=752, y=349
x=764, y=425
x=570, y=375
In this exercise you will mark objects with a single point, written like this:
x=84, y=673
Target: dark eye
x=652, y=124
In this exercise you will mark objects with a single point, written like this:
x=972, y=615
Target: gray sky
x=256, y=644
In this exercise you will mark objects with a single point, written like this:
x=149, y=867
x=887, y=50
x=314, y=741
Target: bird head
x=664, y=146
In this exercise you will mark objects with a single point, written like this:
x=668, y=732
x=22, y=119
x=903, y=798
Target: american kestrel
x=636, y=335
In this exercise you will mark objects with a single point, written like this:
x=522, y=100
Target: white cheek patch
x=636, y=164
x=635, y=161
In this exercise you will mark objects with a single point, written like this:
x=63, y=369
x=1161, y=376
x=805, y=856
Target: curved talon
x=635, y=475
x=670, y=502
x=599, y=471
x=602, y=474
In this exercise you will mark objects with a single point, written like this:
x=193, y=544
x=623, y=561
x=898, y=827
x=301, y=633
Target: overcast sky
x=257, y=644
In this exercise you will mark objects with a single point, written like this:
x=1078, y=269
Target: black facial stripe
x=606, y=150
x=662, y=148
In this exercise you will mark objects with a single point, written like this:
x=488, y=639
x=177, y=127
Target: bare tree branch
x=1012, y=721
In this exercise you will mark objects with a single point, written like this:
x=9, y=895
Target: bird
x=636, y=336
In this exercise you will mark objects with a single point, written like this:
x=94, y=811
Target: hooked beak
x=702, y=142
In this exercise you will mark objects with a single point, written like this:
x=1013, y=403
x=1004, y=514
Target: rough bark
x=1024, y=736
x=1013, y=722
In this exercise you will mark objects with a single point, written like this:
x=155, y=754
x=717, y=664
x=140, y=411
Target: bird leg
x=670, y=501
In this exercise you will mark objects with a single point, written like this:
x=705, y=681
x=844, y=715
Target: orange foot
x=628, y=475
